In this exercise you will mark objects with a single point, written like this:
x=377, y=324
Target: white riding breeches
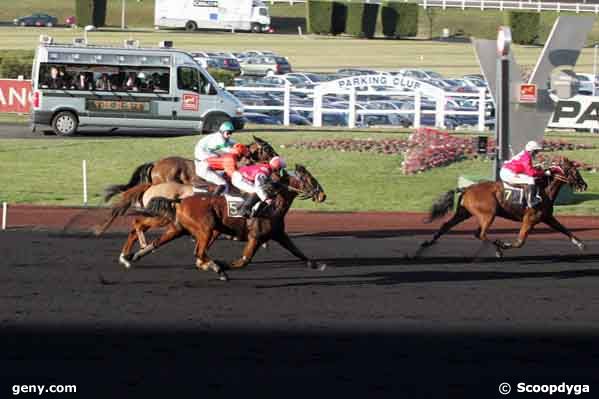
x=515, y=178
x=247, y=186
x=204, y=171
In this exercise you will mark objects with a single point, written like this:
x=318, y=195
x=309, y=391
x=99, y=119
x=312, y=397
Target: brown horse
x=206, y=217
x=486, y=200
x=180, y=170
x=138, y=197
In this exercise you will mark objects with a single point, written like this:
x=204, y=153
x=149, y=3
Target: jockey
x=227, y=163
x=213, y=145
x=519, y=170
x=251, y=179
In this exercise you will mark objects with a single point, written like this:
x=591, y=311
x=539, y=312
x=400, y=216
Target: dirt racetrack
x=454, y=323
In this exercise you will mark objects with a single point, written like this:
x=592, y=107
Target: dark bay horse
x=205, y=218
x=486, y=200
x=180, y=170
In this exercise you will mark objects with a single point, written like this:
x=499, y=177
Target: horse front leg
x=125, y=256
x=552, y=222
x=170, y=234
x=525, y=229
x=286, y=243
x=204, y=240
x=248, y=253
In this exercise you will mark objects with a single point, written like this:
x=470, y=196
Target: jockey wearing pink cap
x=252, y=178
x=519, y=170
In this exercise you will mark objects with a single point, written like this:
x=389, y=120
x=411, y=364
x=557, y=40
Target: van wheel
x=65, y=124
x=256, y=28
x=213, y=123
x=190, y=26
x=49, y=24
x=270, y=72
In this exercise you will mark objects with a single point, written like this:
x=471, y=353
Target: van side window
x=188, y=79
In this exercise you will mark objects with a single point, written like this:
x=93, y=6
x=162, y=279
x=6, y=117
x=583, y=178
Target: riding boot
x=533, y=197
x=220, y=189
x=245, y=209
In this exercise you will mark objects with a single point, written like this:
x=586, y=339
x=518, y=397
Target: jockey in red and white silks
x=520, y=170
x=251, y=179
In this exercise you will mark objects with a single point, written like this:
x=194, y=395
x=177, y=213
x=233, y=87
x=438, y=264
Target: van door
x=195, y=97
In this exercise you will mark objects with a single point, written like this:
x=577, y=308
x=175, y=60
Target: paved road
x=373, y=323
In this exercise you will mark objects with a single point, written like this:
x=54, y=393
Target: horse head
x=306, y=185
x=565, y=170
x=261, y=150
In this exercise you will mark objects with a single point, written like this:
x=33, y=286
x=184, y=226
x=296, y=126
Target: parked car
x=265, y=66
x=36, y=20
x=294, y=117
x=356, y=71
x=587, y=83
x=422, y=74
x=260, y=119
x=228, y=64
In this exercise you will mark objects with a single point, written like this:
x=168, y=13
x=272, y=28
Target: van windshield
x=263, y=12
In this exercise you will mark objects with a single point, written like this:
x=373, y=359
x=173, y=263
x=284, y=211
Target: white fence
x=486, y=4
x=318, y=108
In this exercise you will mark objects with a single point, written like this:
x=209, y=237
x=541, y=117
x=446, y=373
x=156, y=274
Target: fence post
x=317, y=112
x=84, y=166
x=352, y=109
x=286, y=103
x=417, y=106
x=481, y=109
x=440, y=111
x=4, y=213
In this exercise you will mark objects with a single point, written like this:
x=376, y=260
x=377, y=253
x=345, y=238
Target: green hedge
x=525, y=26
x=361, y=19
x=16, y=62
x=222, y=76
x=320, y=16
x=99, y=13
x=84, y=12
x=339, y=17
x=408, y=20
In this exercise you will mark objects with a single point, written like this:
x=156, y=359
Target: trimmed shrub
x=390, y=18
x=339, y=18
x=408, y=20
x=525, y=26
x=222, y=76
x=13, y=65
x=99, y=13
x=84, y=12
x=361, y=19
x=320, y=15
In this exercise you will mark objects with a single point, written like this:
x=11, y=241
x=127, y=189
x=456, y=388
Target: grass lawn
x=48, y=171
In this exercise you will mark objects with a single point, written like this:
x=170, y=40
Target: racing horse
x=205, y=217
x=180, y=170
x=486, y=200
x=139, y=196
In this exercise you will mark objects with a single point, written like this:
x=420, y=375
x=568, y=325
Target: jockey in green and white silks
x=213, y=145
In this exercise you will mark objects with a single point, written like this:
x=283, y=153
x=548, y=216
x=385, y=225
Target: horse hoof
x=498, y=254
x=123, y=261
x=222, y=276
x=322, y=267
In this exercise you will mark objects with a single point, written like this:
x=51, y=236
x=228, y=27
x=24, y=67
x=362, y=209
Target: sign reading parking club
x=381, y=80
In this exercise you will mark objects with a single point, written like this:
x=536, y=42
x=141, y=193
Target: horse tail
x=444, y=204
x=142, y=174
x=129, y=198
x=161, y=206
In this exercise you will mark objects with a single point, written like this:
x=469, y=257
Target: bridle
x=302, y=193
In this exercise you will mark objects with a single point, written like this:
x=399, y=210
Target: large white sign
x=578, y=112
x=367, y=81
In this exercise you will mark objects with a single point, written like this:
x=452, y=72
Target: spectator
x=81, y=82
x=132, y=83
x=103, y=84
x=55, y=81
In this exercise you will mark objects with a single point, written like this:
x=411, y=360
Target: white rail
x=484, y=4
x=318, y=109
